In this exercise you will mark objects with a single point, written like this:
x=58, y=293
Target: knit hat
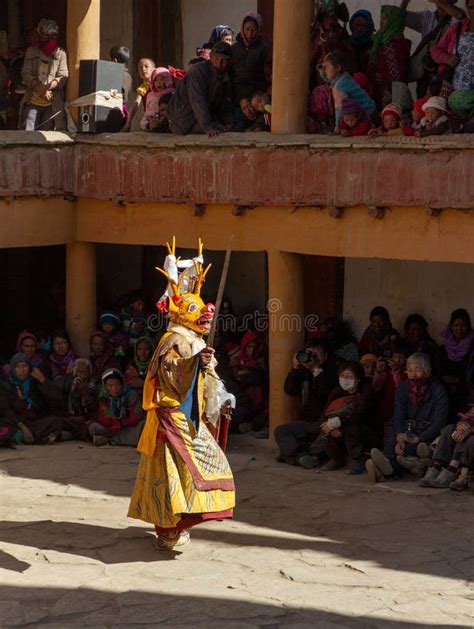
x=435, y=102
x=418, y=104
x=17, y=358
x=109, y=317
x=367, y=359
x=222, y=48
x=112, y=373
x=349, y=106
x=392, y=110
x=47, y=28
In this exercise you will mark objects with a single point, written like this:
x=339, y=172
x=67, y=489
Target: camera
x=304, y=357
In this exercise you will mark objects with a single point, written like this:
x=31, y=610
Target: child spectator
x=136, y=369
x=354, y=121
x=145, y=69
x=134, y=319
x=121, y=54
x=343, y=86
x=221, y=32
x=435, y=122
x=244, y=115
x=251, y=59
x=120, y=420
x=63, y=356
x=162, y=119
x=109, y=323
x=260, y=103
x=417, y=112
x=161, y=83
x=392, y=123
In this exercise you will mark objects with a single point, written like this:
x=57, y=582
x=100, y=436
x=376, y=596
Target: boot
x=430, y=475
x=412, y=463
x=381, y=462
x=461, y=483
x=307, y=461
x=444, y=479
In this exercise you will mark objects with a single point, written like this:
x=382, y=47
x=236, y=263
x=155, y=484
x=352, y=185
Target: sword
x=220, y=292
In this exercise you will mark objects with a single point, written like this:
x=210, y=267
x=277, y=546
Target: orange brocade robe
x=183, y=477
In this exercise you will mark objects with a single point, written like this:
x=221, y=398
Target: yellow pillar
x=83, y=39
x=291, y=39
x=286, y=329
x=81, y=307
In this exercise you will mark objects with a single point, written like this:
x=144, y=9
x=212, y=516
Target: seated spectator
x=340, y=340
x=322, y=114
x=260, y=103
x=362, y=28
x=202, y=102
x=120, y=420
x=44, y=74
x=455, y=50
x=453, y=456
x=251, y=59
x=134, y=319
x=342, y=419
x=455, y=356
x=23, y=401
x=354, y=121
x=313, y=376
x=421, y=412
x=392, y=124
x=221, y=32
x=343, y=86
x=417, y=113
x=137, y=368
x=121, y=54
x=27, y=343
x=251, y=371
x=162, y=123
x=390, y=55
x=244, y=116
x=161, y=83
x=102, y=355
x=62, y=357
x=328, y=36
x=380, y=335
x=145, y=69
x=109, y=323
x=435, y=121
x=431, y=25
x=81, y=400
x=418, y=339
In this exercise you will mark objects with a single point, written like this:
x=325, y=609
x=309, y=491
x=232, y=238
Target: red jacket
x=447, y=44
x=362, y=128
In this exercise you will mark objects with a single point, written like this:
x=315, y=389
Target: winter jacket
x=314, y=390
x=249, y=68
x=426, y=420
x=446, y=47
x=203, y=97
x=344, y=87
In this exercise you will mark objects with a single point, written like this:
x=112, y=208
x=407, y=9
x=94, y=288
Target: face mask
x=347, y=383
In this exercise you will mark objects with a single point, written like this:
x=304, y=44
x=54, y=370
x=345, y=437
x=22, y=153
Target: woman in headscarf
x=221, y=32
x=378, y=338
x=327, y=36
x=135, y=373
x=63, y=356
x=27, y=343
x=389, y=58
x=251, y=59
x=362, y=28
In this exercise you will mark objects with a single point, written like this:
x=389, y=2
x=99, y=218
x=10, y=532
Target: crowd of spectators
x=391, y=404
x=360, y=78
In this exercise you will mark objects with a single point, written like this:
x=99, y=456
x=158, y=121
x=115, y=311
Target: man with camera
x=313, y=376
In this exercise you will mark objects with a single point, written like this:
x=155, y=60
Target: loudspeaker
x=95, y=75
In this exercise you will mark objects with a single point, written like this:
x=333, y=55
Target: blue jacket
x=426, y=420
x=344, y=87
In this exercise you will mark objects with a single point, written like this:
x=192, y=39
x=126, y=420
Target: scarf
x=62, y=365
x=48, y=47
x=328, y=6
x=394, y=27
x=120, y=405
x=22, y=386
x=258, y=20
x=360, y=40
x=455, y=349
x=417, y=390
x=142, y=365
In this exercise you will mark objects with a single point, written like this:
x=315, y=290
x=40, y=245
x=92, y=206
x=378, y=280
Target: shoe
x=412, y=463
x=430, y=475
x=98, y=440
x=163, y=542
x=332, y=465
x=356, y=468
x=381, y=461
x=444, y=479
x=308, y=462
x=461, y=483
x=373, y=471
x=424, y=451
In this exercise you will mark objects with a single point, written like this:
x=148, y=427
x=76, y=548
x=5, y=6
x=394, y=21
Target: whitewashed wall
x=434, y=289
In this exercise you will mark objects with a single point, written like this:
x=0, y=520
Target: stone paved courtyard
x=305, y=549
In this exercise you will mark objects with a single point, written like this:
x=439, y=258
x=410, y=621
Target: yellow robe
x=181, y=470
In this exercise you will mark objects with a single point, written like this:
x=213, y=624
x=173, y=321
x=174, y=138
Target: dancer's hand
x=205, y=356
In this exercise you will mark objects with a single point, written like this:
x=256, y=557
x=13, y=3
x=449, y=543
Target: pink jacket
x=447, y=44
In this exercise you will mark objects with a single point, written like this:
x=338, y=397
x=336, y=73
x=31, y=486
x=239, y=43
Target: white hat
x=435, y=102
